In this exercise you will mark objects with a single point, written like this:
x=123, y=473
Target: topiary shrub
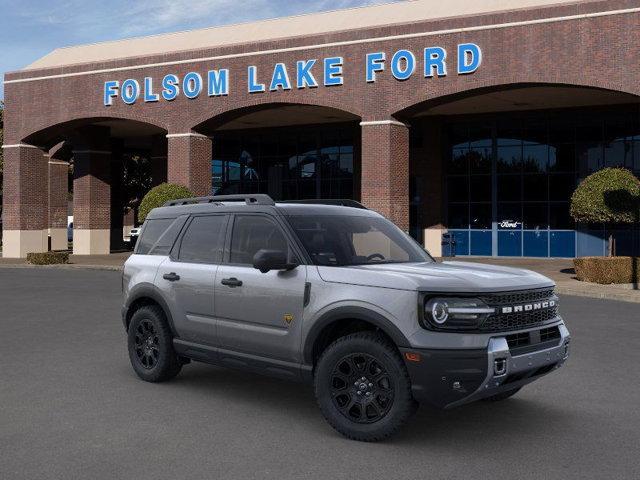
x=611, y=195
x=48, y=258
x=158, y=196
x=607, y=270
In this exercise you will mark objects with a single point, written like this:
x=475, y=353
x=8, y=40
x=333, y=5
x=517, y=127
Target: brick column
x=25, y=210
x=158, y=160
x=189, y=161
x=58, y=191
x=385, y=169
x=91, y=191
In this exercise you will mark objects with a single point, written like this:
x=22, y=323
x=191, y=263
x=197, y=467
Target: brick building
x=474, y=117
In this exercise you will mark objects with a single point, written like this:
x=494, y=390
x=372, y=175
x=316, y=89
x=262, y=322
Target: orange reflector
x=412, y=357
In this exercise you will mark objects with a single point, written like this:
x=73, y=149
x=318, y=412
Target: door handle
x=231, y=282
x=172, y=277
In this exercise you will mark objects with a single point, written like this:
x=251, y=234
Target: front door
x=259, y=313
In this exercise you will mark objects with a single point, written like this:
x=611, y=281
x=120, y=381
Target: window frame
x=177, y=246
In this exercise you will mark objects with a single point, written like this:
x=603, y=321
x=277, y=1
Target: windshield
x=340, y=240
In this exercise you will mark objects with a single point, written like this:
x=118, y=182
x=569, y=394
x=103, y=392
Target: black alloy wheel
x=146, y=344
x=150, y=345
x=361, y=388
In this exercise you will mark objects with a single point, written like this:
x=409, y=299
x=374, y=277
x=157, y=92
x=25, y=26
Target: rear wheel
x=363, y=388
x=502, y=396
x=150, y=345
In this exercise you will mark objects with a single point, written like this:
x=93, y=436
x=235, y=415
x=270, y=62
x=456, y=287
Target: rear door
x=259, y=313
x=187, y=277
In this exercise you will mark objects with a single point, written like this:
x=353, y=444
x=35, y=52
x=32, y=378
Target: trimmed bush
x=158, y=196
x=611, y=195
x=48, y=258
x=607, y=270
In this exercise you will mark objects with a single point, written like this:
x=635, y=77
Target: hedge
x=607, y=270
x=611, y=195
x=48, y=258
x=158, y=196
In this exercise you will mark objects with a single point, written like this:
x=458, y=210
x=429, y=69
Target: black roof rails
x=341, y=202
x=257, y=199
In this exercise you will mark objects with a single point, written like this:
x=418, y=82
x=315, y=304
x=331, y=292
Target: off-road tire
x=153, y=360
x=502, y=396
x=374, y=353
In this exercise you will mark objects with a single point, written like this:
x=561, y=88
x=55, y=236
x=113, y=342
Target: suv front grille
x=516, y=320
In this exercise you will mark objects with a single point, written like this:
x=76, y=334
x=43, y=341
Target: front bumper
x=448, y=378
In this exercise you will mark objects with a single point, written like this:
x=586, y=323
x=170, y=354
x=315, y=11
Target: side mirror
x=265, y=260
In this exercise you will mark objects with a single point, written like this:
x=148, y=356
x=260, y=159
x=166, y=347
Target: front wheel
x=363, y=388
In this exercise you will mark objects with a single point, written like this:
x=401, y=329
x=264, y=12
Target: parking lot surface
x=72, y=408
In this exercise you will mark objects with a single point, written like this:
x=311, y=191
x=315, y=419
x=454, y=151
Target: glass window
x=480, y=216
x=535, y=187
x=151, y=232
x=559, y=217
x=480, y=159
x=618, y=154
x=458, y=189
x=535, y=216
x=340, y=240
x=509, y=159
x=167, y=239
x=562, y=158
x=561, y=187
x=535, y=158
x=509, y=187
x=510, y=216
x=204, y=240
x=252, y=233
x=459, y=161
x=481, y=188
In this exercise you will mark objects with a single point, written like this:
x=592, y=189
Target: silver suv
x=335, y=295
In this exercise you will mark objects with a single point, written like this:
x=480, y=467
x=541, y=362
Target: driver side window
x=252, y=233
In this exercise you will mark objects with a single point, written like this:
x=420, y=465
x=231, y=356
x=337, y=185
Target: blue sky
x=30, y=29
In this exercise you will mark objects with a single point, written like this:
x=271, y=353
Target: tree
x=611, y=195
x=157, y=197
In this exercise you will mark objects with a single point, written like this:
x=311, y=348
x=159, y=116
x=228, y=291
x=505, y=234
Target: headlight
x=456, y=312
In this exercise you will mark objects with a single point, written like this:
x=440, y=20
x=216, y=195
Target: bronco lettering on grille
x=529, y=307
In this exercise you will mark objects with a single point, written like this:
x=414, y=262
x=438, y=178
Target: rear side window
x=203, y=241
x=168, y=238
x=151, y=233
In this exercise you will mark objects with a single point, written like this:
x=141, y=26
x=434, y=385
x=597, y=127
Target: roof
x=285, y=27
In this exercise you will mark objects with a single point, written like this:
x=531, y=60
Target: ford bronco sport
x=336, y=295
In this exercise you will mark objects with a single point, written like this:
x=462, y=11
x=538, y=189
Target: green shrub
x=611, y=195
x=607, y=270
x=48, y=258
x=158, y=196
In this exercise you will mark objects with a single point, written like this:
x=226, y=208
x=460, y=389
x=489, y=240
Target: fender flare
x=351, y=312
x=148, y=290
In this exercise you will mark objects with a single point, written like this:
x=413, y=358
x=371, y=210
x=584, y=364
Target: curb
x=617, y=296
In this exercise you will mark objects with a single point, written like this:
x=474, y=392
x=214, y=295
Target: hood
x=437, y=277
